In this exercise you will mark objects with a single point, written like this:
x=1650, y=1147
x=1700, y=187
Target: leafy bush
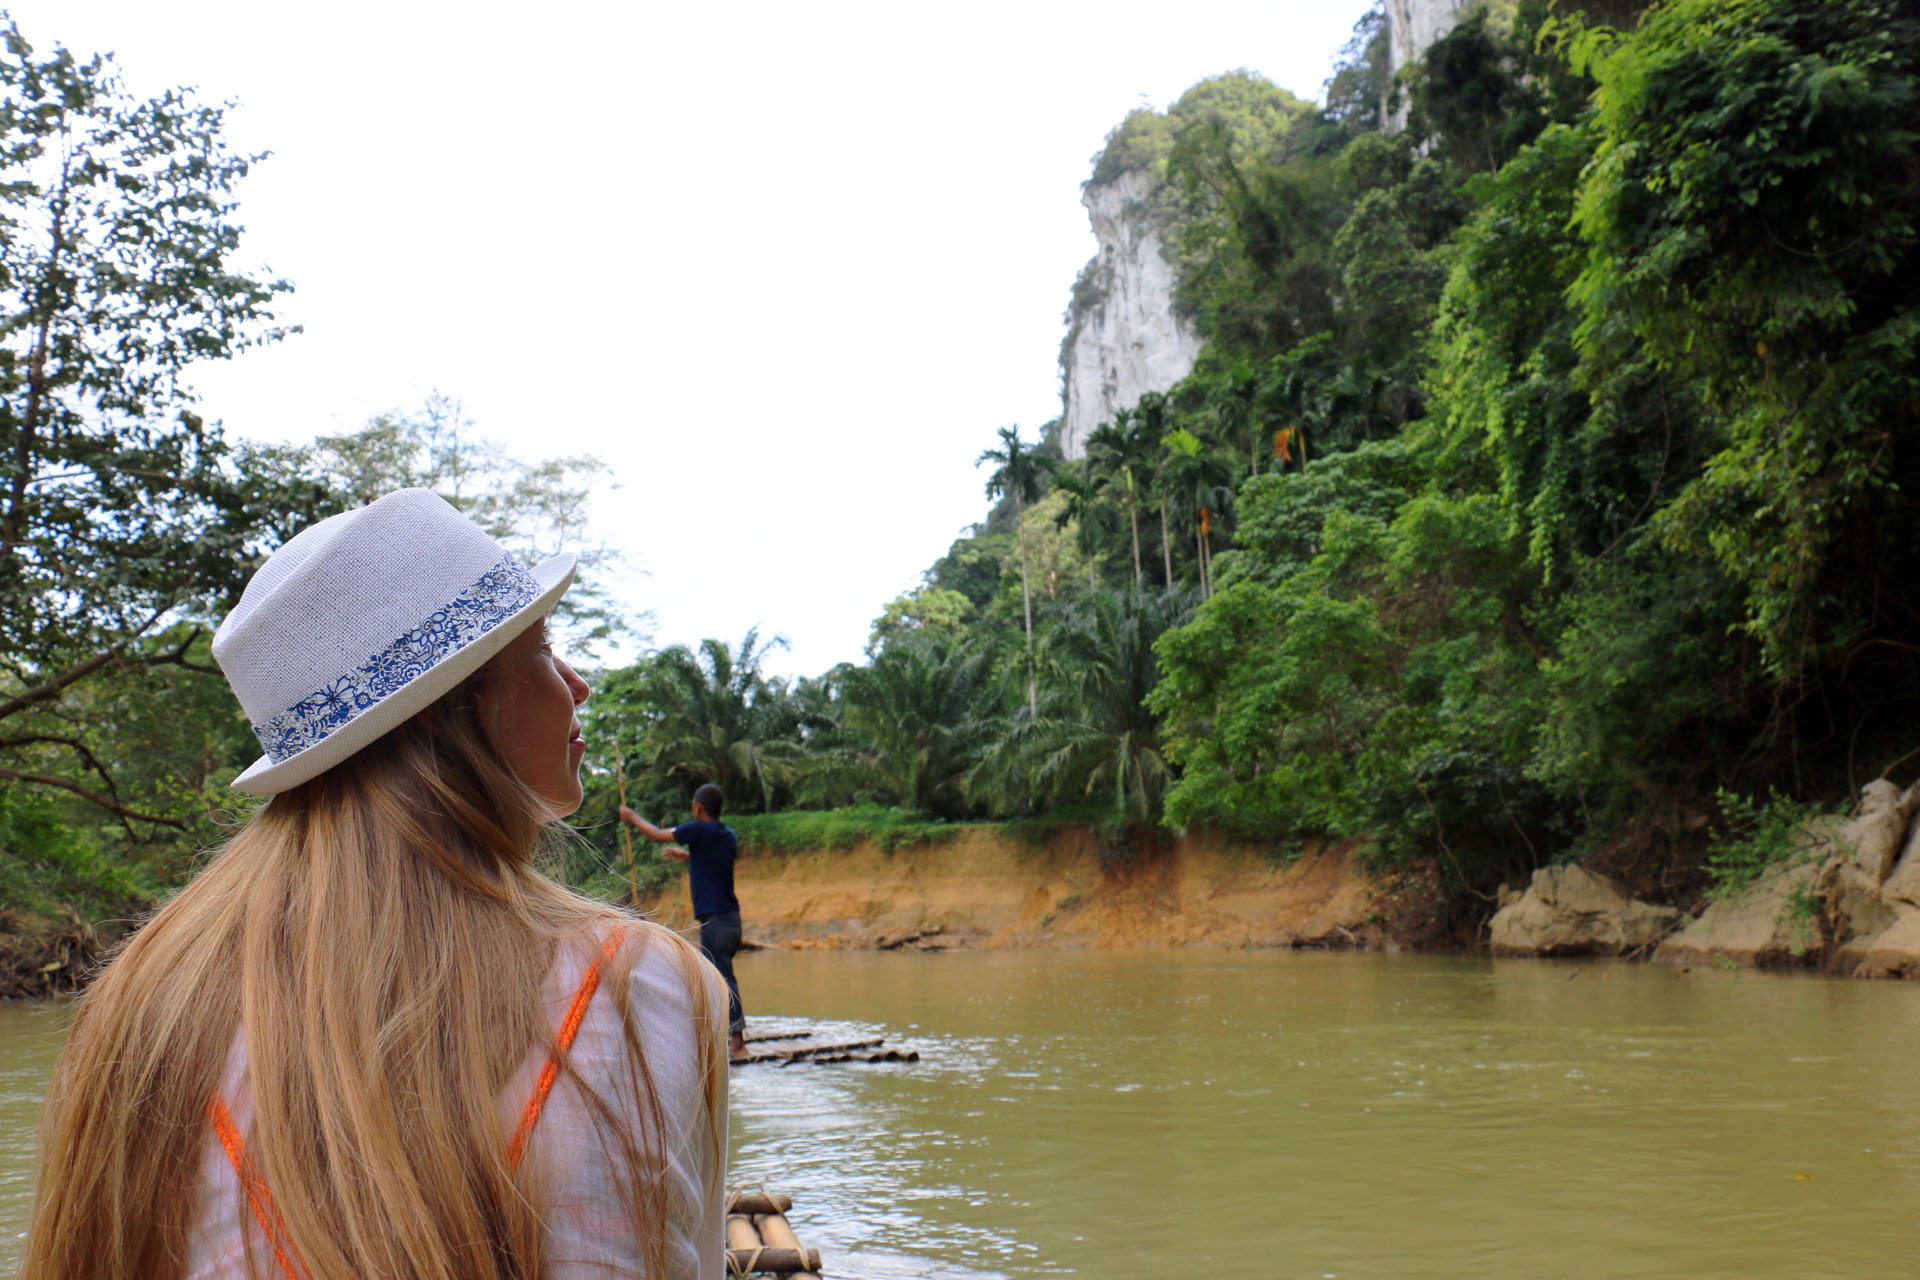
x=47, y=862
x=1757, y=836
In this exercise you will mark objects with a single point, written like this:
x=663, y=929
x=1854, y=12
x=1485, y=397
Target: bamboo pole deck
x=790, y=1047
x=760, y=1239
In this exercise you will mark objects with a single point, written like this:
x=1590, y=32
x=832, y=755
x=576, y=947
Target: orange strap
x=256, y=1187
x=563, y=1041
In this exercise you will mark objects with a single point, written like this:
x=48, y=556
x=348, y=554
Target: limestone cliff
x=1125, y=336
x=1412, y=28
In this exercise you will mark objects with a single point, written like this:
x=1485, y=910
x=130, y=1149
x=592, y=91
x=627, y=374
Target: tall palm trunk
x=1133, y=514
x=1026, y=601
x=1166, y=546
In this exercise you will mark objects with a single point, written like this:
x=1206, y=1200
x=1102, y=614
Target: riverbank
x=1840, y=895
x=991, y=887
x=54, y=955
x=983, y=888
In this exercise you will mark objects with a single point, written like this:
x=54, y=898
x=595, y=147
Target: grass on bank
x=803, y=830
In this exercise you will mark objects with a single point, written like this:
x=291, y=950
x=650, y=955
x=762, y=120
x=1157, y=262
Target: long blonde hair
x=382, y=935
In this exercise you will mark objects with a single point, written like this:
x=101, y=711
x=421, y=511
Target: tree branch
x=92, y=796
x=52, y=688
x=87, y=758
x=13, y=526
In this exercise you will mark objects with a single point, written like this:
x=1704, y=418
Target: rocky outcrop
x=1848, y=900
x=1126, y=337
x=1570, y=911
x=1413, y=26
x=1765, y=927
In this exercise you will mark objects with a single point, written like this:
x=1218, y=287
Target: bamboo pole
x=741, y=1235
x=626, y=836
x=760, y=1239
x=757, y=1202
x=779, y=1235
x=776, y=1231
x=791, y=1262
x=805, y=1051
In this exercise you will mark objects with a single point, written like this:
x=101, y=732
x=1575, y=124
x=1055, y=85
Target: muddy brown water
x=1165, y=1115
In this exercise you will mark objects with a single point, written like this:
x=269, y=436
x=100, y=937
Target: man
x=709, y=851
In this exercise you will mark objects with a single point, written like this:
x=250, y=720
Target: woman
x=369, y=1038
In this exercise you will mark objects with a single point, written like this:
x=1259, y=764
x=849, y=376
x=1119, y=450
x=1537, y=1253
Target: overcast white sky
x=783, y=267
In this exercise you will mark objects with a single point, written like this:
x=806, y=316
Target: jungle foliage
x=1537, y=494
x=1607, y=387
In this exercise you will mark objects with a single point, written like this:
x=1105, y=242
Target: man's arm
x=663, y=834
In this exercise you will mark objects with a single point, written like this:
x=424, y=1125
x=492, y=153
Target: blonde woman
x=369, y=1039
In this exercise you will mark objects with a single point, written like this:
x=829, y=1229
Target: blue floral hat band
x=501, y=592
x=365, y=618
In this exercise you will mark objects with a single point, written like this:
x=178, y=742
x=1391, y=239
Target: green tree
x=1750, y=212
x=1084, y=506
x=1200, y=481
x=1121, y=454
x=120, y=510
x=1020, y=473
x=925, y=611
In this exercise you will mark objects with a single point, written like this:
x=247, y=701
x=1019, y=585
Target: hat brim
x=265, y=778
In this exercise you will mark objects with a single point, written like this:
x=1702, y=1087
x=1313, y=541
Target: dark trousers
x=719, y=939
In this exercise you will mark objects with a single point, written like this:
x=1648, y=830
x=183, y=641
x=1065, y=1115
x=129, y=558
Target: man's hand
x=647, y=829
x=673, y=853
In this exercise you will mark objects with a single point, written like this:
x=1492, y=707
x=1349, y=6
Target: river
x=1167, y=1114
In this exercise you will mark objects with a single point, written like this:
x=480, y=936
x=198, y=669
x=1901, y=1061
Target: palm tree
x=1150, y=415
x=919, y=717
x=1091, y=517
x=716, y=718
x=1123, y=455
x=1233, y=403
x=1197, y=478
x=1020, y=473
x=1093, y=736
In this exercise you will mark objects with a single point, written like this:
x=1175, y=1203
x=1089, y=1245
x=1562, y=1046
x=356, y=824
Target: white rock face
x=1130, y=341
x=1412, y=26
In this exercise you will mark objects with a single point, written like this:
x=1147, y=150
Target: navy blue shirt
x=711, y=849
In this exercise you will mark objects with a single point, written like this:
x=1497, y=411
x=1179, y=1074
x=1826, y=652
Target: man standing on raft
x=709, y=851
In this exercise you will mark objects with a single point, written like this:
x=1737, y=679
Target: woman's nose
x=575, y=685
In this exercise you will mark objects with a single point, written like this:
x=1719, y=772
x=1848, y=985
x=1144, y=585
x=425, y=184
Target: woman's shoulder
x=658, y=964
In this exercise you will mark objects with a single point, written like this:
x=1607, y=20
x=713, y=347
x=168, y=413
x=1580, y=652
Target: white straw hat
x=361, y=620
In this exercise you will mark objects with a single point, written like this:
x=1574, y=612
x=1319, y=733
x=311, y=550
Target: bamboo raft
x=790, y=1047
x=760, y=1239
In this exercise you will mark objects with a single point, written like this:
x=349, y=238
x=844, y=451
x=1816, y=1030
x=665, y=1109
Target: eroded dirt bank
x=984, y=890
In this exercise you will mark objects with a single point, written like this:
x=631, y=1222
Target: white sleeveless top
x=588, y=1232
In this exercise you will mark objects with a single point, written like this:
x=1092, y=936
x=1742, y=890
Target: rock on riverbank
x=1848, y=901
x=1570, y=911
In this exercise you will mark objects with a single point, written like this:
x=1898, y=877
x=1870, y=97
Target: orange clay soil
x=982, y=890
